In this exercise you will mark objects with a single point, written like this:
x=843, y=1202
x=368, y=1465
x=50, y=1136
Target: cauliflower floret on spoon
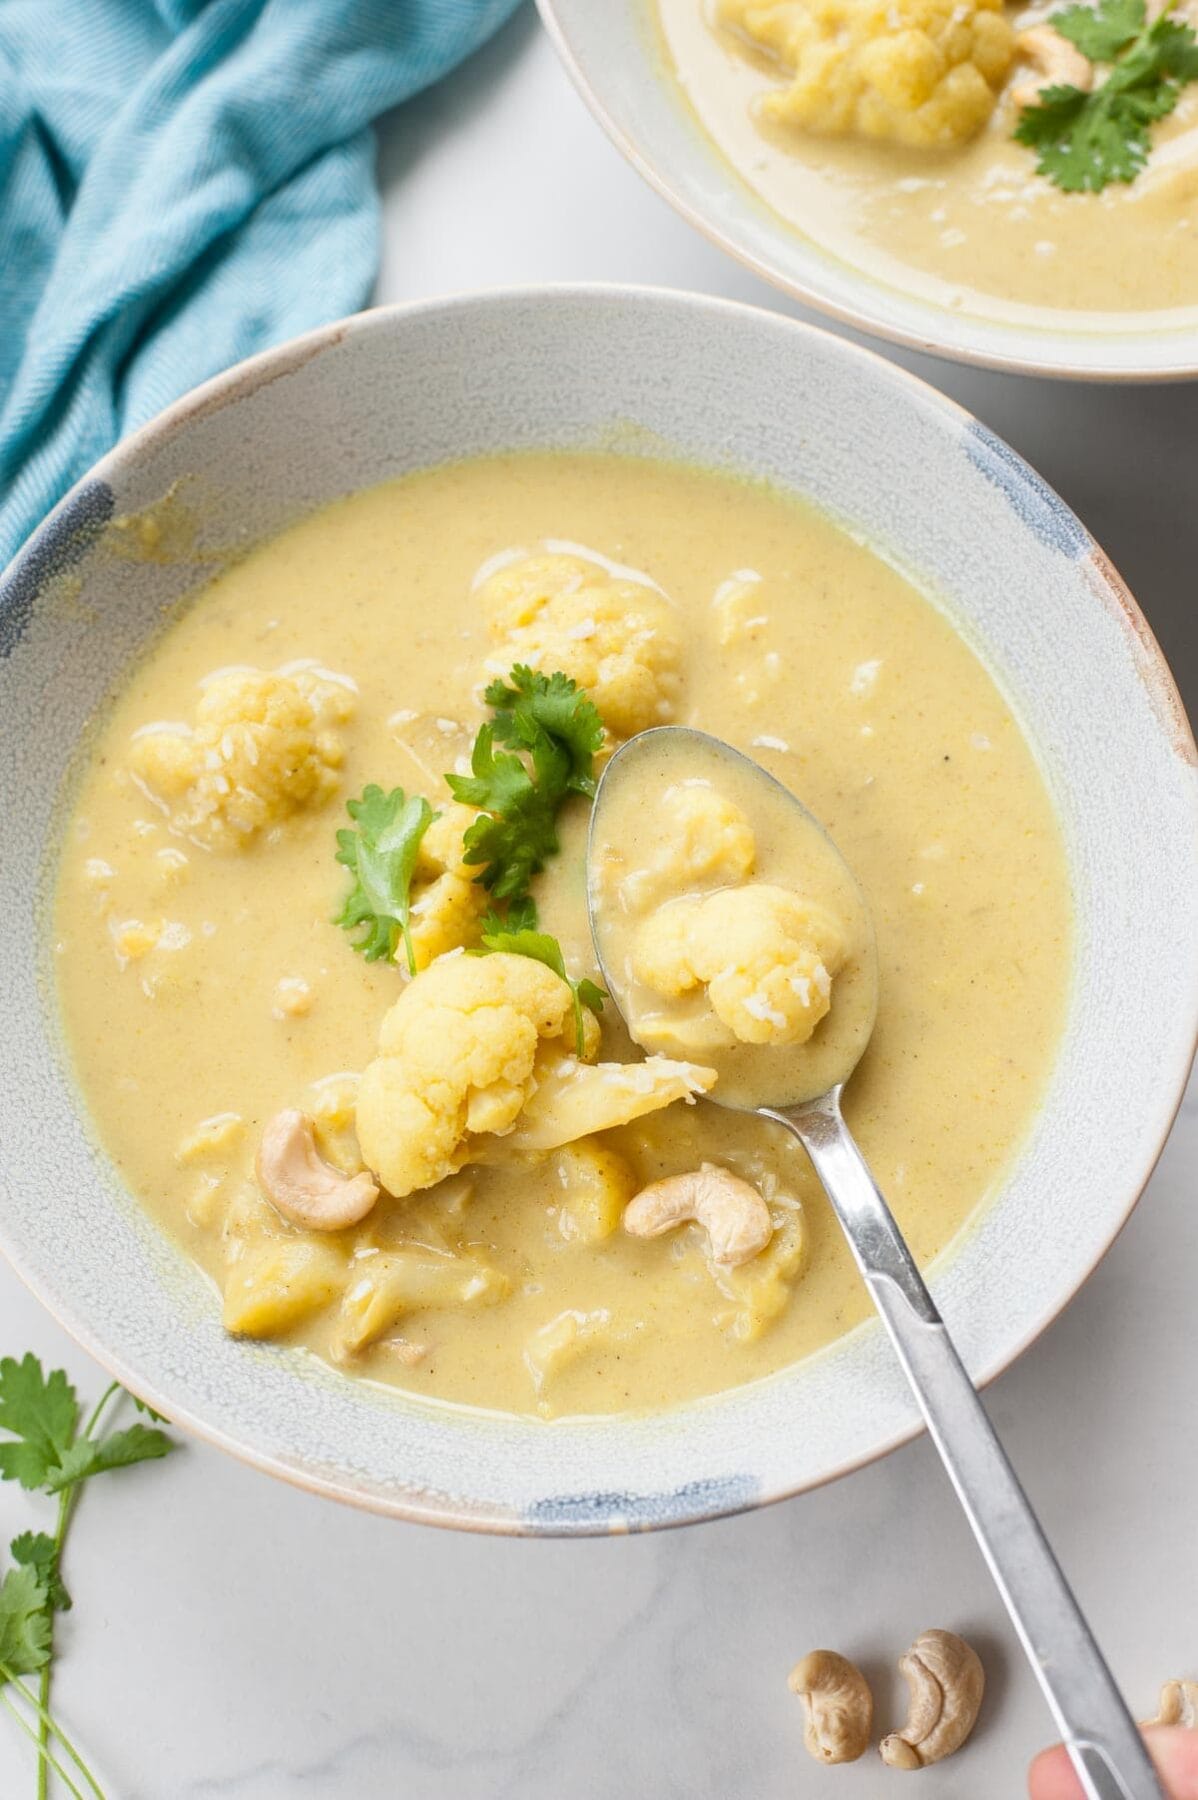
x=704, y=837
x=765, y=956
x=477, y=1046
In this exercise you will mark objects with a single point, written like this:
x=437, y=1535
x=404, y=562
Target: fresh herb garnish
x=518, y=937
x=1086, y=140
x=550, y=732
x=46, y=1452
x=381, y=854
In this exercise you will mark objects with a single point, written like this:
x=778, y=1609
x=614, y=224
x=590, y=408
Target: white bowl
x=727, y=386
x=614, y=56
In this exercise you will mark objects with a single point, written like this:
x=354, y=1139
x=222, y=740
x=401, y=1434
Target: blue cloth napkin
x=183, y=182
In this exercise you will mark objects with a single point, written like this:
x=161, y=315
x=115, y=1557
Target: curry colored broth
x=841, y=679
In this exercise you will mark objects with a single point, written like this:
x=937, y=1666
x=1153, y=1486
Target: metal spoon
x=1107, y=1750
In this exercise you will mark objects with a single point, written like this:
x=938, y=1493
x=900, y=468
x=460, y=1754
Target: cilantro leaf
x=1101, y=32
x=549, y=732
x=552, y=706
x=37, y=1550
x=518, y=830
x=521, y=915
x=143, y=1406
x=119, y=1450
x=24, y=1623
x=1085, y=140
x=381, y=854
x=41, y=1414
x=1176, y=45
x=542, y=948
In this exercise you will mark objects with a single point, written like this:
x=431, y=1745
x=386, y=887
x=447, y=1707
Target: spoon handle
x=1107, y=1750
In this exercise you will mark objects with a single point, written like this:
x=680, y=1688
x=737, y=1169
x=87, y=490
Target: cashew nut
x=301, y=1185
x=1057, y=63
x=1178, y=1705
x=946, y=1681
x=838, y=1703
x=732, y=1213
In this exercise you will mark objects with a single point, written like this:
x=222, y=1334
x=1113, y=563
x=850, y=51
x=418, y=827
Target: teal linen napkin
x=183, y=182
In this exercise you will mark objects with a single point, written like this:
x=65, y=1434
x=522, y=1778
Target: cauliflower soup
x=886, y=135
x=323, y=956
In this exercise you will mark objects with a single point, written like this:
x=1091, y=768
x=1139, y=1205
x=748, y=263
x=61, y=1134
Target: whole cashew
x=1178, y=1705
x=301, y=1185
x=946, y=1681
x=732, y=1213
x=1057, y=62
x=839, y=1706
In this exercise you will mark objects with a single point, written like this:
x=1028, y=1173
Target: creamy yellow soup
x=969, y=225
x=207, y=990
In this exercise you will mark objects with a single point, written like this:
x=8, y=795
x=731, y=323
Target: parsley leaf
x=500, y=934
x=119, y=1450
x=1086, y=140
x=381, y=854
x=37, y=1550
x=24, y=1623
x=42, y=1416
x=550, y=732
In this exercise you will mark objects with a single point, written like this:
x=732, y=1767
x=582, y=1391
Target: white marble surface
x=235, y=1638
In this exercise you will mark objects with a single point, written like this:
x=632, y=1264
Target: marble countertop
x=236, y=1640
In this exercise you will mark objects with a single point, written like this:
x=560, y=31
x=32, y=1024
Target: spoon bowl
x=629, y=872
x=749, y=831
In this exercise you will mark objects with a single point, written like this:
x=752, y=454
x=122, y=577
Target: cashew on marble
x=946, y=1680
x=304, y=1188
x=732, y=1213
x=1178, y=1705
x=838, y=1703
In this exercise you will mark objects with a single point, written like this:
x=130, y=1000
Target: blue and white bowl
x=717, y=384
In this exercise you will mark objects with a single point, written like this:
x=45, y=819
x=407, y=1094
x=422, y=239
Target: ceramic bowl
x=617, y=61
x=640, y=373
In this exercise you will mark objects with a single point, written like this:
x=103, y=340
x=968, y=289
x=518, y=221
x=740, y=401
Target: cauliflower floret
x=456, y=1057
x=448, y=901
x=471, y=1043
x=571, y=1100
x=263, y=745
x=924, y=73
x=765, y=955
x=617, y=639
x=703, y=838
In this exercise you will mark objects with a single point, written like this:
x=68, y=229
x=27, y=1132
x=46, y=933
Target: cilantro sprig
x=1085, y=140
x=535, y=751
x=518, y=936
x=45, y=1450
x=381, y=855
x=550, y=732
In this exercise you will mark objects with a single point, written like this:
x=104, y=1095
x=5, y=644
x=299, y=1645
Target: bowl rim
x=246, y=377
x=861, y=318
